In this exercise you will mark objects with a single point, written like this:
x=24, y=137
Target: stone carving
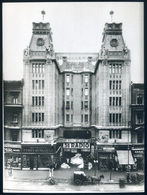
x=49, y=50
x=27, y=51
x=104, y=62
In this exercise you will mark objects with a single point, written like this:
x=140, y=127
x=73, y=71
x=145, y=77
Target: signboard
x=103, y=136
x=106, y=149
x=37, y=149
x=12, y=149
x=76, y=145
x=49, y=136
x=138, y=153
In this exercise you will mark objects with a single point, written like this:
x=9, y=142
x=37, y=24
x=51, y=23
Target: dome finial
x=111, y=13
x=43, y=13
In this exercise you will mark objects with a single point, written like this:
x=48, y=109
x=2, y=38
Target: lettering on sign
x=38, y=149
x=76, y=145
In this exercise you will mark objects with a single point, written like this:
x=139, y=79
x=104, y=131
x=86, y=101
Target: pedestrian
x=128, y=177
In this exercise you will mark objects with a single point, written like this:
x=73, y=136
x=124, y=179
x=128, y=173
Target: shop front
x=12, y=157
x=106, y=156
x=138, y=154
x=37, y=157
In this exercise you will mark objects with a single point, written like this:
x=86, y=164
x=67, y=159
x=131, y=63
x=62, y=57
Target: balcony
x=13, y=105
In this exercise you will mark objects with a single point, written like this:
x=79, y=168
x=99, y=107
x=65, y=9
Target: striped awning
x=123, y=157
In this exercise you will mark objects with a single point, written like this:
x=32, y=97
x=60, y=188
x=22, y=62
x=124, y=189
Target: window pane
x=32, y=117
x=42, y=101
x=86, y=91
x=42, y=84
x=42, y=117
x=67, y=91
x=33, y=84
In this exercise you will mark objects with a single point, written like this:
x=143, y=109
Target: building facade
x=138, y=116
x=13, y=105
x=76, y=102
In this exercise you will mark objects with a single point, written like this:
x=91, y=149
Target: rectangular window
x=36, y=68
x=33, y=84
x=42, y=101
x=39, y=84
x=36, y=84
x=15, y=100
x=81, y=118
x=116, y=85
x=72, y=118
x=116, y=101
x=86, y=104
x=113, y=101
x=15, y=118
x=116, y=118
x=67, y=105
x=36, y=117
x=36, y=100
x=110, y=101
x=37, y=133
x=113, y=85
x=119, y=84
x=110, y=68
x=116, y=135
x=67, y=91
x=67, y=78
x=42, y=117
x=71, y=78
x=139, y=117
x=39, y=101
x=120, y=69
x=110, y=84
x=110, y=134
x=116, y=68
x=119, y=101
x=32, y=117
x=72, y=105
x=86, y=78
x=86, y=118
x=71, y=91
x=33, y=68
x=39, y=117
x=82, y=92
x=113, y=68
x=42, y=84
x=67, y=117
x=113, y=133
x=110, y=118
x=139, y=99
x=119, y=118
x=113, y=118
x=119, y=134
x=140, y=137
x=33, y=101
x=42, y=68
x=14, y=135
x=86, y=91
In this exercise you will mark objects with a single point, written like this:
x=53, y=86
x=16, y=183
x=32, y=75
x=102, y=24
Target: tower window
x=67, y=117
x=86, y=118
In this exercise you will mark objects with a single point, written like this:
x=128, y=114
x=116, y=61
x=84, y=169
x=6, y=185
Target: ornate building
x=76, y=102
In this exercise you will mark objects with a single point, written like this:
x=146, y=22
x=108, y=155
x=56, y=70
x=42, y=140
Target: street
x=36, y=181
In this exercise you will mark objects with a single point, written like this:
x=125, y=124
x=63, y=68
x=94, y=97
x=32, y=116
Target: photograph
x=73, y=97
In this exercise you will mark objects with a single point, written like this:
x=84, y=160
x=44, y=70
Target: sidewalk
x=61, y=175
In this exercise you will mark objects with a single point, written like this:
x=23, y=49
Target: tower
x=40, y=97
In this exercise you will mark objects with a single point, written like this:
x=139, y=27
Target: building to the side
x=137, y=108
x=76, y=102
x=13, y=105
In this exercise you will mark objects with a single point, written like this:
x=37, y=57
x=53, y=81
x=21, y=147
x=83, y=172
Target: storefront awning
x=123, y=157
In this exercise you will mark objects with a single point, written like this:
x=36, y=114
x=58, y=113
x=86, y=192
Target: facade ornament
x=104, y=62
x=27, y=51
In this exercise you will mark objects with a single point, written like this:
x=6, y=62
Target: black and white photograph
x=73, y=97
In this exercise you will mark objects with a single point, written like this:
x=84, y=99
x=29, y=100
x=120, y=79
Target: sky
x=76, y=27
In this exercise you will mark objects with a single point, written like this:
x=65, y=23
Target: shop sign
x=37, y=149
x=8, y=149
x=76, y=145
x=16, y=149
x=106, y=149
